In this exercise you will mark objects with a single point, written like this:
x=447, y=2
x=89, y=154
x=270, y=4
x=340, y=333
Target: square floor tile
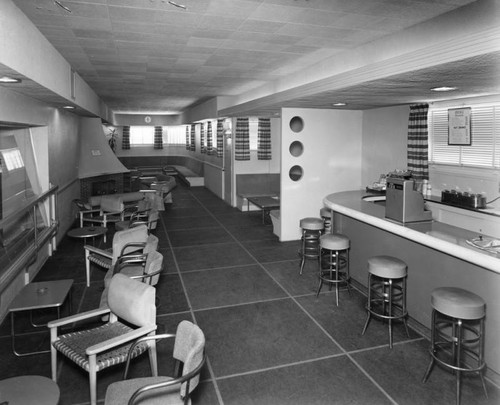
x=345, y=322
x=211, y=256
x=230, y=286
x=272, y=250
x=329, y=381
x=287, y=274
x=170, y=295
x=400, y=371
x=256, y=336
x=199, y=237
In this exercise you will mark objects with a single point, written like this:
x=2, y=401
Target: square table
x=265, y=203
x=40, y=295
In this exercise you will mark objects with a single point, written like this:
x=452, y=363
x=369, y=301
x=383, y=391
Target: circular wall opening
x=296, y=148
x=296, y=124
x=295, y=173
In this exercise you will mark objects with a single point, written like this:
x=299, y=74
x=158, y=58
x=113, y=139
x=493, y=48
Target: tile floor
x=269, y=339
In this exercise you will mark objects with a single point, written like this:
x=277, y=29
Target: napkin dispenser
x=403, y=203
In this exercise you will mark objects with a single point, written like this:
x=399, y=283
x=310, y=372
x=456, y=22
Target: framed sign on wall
x=459, y=128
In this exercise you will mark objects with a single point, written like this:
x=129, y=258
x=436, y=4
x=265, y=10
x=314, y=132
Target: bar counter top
x=436, y=235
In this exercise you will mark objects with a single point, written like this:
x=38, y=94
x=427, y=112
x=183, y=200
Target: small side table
x=87, y=232
x=29, y=390
x=33, y=296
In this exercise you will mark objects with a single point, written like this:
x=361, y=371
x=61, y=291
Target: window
x=142, y=135
x=253, y=126
x=12, y=159
x=485, y=129
x=174, y=135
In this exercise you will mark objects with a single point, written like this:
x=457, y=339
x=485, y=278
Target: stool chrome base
x=390, y=295
x=448, y=350
x=335, y=273
x=309, y=247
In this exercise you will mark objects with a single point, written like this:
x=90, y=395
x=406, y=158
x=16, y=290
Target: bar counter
x=436, y=253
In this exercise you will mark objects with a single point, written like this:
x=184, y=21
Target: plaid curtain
x=220, y=138
x=202, y=134
x=417, y=142
x=192, y=143
x=210, y=147
x=158, y=138
x=264, y=139
x=188, y=145
x=242, y=140
x=126, y=138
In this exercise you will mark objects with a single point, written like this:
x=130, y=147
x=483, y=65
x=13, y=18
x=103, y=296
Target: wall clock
x=147, y=119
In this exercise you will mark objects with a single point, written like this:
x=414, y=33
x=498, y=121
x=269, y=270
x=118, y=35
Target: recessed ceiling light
x=339, y=104
x=443, y=88
x=68, y=107
x=7, y=79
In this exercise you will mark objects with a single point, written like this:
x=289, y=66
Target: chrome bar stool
x=457, y=333
x=326, y=214
x=311, y=231
x=334, y=262
x=387, y=291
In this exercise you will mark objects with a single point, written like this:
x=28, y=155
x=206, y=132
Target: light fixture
x=8, y=79
x=443, y=88
x=339, y=104
x=68, y=107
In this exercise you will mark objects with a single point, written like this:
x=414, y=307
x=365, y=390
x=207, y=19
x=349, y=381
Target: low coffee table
x=265, y=203
x=87, y=232
x=40, y=295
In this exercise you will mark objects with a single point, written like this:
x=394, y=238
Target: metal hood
x=96, y=157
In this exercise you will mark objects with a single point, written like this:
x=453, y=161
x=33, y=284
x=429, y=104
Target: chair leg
x=87, y=267
x=53, y=354
x=93, y=379
x=153, y=359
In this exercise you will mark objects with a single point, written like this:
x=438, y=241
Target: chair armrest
x=111, y=213
x=98, y=251
x=141, y=340
x=92, y=211
x=119, y=340
x=169, y=383
x=145, y=276
x=138, y=245
x=77, y=317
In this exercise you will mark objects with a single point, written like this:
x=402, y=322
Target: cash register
x=403, y=202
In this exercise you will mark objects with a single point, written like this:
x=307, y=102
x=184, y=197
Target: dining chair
x=189, y=356
x=132, y=314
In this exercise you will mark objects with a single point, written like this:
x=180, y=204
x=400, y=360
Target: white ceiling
x=148, y=56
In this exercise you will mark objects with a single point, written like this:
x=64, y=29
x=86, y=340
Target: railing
x=26, y=231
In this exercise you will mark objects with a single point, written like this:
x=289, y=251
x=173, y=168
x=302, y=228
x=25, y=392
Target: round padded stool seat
x=311, y=224
x=458, y=303
x=334, y=242
x=387, y=267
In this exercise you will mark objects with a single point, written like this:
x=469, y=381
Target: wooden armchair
x=132, y=315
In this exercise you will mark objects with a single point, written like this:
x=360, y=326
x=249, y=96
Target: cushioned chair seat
x=120, y=392
x=73, y=345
